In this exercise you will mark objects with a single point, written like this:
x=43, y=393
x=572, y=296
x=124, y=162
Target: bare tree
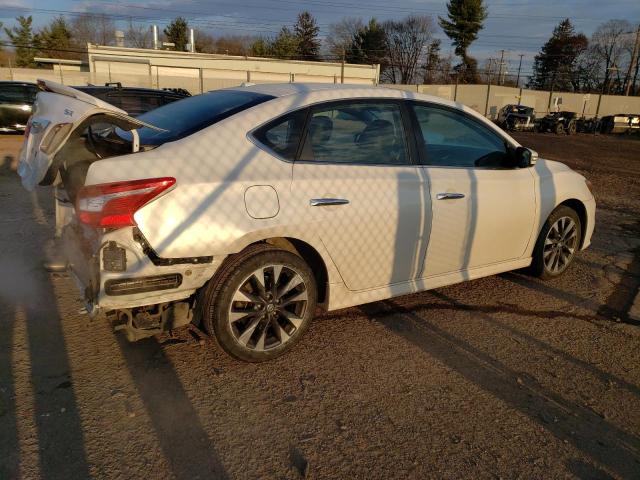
x=406, y=42
x=608, y=44
x=205, y=43
x=234, y=44
x=341, y=35
x=93, y=28
x=587, y=72
x=631, y=74
x=138, y=35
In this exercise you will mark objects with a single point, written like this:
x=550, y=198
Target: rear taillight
x=112, y=205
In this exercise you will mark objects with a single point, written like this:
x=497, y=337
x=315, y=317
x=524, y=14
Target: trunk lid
x=58, y=111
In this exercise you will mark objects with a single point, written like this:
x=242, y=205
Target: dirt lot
x=503, y=377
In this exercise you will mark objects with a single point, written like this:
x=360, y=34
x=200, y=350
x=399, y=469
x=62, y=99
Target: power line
x=368, y=7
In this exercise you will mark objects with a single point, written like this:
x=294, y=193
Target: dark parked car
x=16, y=100
x=558, y=122
x=133, y=100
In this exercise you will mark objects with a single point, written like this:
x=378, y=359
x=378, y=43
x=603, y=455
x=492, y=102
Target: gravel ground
x=502, y=377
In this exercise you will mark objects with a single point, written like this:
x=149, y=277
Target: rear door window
x=369, y=133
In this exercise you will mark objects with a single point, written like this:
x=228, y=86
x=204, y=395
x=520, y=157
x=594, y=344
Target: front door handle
x=449, y=196
x=322, y=202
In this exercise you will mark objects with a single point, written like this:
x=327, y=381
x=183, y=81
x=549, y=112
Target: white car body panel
x=393, y=238
x=493, y=223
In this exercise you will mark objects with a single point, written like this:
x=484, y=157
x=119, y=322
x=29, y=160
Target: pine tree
x=54, y=40
x=555, y=67
x=369, y=46
x=466, y=18
x=22, y=38
x=433, y=62
x=285, y=45
x=261, y=47
x=306, y=32
x=176, y=32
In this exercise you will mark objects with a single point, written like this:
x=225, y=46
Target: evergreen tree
x=261, y=47
x=176, y=32
x=54, y=40
x=555, y=67
x=285, y=45
x=466, y=18
x=369, y=46
x=306, y=32
x=22, y=38
x=433, y=62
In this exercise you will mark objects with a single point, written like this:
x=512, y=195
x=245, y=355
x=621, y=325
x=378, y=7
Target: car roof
x=13, y=82
x=331, y=91
x=285, y=89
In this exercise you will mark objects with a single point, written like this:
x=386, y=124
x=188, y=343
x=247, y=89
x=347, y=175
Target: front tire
x=557, y=244
x=261, y=303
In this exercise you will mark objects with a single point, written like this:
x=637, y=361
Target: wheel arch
x=312, y=257
x=580, y=208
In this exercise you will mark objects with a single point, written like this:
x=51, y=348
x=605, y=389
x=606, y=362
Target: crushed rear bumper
x=90, y=257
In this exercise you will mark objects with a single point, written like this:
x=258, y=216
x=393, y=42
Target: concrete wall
x=189, y=70
x=192, y=79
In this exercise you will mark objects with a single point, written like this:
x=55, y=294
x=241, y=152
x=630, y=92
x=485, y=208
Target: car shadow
x=182, y=437
x=26, y=287
x=597, y=438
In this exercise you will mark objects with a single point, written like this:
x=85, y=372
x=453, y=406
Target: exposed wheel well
x=311, y=256
x=578, y=207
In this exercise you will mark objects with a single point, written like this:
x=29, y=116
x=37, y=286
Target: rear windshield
x=184, y=117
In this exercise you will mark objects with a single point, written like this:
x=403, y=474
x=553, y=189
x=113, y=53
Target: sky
x=517, y=26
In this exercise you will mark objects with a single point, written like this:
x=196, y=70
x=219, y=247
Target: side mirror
x=525, y=157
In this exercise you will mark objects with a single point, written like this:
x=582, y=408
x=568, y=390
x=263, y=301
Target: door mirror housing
x=525, y=157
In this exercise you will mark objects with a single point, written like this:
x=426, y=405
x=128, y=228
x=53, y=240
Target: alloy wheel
x=560, y=244
x=268, y=307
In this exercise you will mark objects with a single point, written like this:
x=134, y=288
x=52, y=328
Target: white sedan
x=247, y=209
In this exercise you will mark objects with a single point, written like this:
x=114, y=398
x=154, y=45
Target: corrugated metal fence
x=486, y=99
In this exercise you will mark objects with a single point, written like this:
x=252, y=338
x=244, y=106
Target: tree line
x=608, y=62
x=406, y=49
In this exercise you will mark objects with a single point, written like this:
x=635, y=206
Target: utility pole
x=519, y=67
x=342, y=67
x=632, y=63
x=500, y=77
x=486, y=104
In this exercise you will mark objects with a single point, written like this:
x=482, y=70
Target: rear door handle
x=449, y=196
x=322, y=202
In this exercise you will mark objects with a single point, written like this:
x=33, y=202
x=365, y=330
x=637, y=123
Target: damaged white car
x=247, y=209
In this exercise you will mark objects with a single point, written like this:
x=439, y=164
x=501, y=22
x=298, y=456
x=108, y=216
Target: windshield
x=187, y=116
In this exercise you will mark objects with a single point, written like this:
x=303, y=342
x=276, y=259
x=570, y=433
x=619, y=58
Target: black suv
x=133, y=100
x=16, y=100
